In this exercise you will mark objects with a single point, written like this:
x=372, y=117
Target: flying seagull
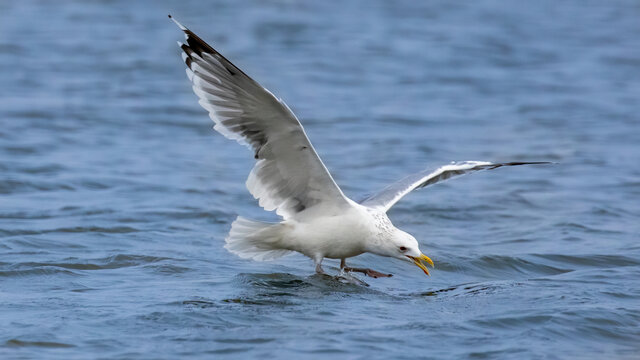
x=318, y=220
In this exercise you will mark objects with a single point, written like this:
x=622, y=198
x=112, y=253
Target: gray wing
x=387, y=197
x=288, y=176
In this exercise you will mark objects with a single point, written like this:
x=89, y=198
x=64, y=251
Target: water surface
x=116, y=195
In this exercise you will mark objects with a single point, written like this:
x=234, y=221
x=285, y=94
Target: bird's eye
x=403, y=249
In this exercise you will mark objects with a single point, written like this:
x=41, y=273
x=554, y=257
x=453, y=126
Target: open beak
x=420, y=262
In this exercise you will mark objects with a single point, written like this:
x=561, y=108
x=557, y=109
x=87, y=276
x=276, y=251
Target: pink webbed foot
x=369, y=272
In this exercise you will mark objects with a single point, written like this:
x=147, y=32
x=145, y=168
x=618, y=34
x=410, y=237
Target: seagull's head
x=404, y=246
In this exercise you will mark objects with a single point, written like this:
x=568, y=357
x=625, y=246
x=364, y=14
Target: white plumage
x=319, y=221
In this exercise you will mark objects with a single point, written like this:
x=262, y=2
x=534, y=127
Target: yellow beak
x=420, y=260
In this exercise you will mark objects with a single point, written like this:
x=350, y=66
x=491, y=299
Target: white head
x=402, y=246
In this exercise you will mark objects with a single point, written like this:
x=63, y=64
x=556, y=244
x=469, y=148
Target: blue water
x=116, y=194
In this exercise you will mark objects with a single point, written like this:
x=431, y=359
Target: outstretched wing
x=288, y=177
x=390, y=195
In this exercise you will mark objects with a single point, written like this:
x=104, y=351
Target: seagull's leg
x=350, y=279
x=318, y=262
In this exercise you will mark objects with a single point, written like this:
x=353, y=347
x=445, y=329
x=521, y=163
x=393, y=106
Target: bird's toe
x=376, y=274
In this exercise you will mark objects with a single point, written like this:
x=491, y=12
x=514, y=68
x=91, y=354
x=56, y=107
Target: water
x=116, y=195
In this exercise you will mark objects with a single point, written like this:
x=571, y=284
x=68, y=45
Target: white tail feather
x=255, y=240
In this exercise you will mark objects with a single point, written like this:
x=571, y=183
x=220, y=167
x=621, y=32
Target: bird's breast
x=337, y=237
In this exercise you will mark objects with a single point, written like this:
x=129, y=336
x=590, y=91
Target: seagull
x=318, y=219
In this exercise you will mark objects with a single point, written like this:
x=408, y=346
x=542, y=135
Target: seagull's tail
x=255, y=240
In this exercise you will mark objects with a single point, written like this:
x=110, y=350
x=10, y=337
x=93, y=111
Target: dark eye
x=403, y=249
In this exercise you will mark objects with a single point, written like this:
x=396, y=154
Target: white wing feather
x=289, y=176
x=387, y=197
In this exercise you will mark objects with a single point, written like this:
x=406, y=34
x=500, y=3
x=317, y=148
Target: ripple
x=591, y=260
x=50, y=169
x=76, y=229
x=500, y=263
x=96, y=229
x=15, y=186
x=250, y=301
x=219, y=217
x=41, y=243
x=282, y=283
x=273, y=281
x=21, y=150
x=468, y=289
x=107, y=263
x=47, y=344
x=513, y=321
x=584, y=228
x=43, y=270
x=259, y=340
x=26, y=215
x=168, y=269
x=200, y=303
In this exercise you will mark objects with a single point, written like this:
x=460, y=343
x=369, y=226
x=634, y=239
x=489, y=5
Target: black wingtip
x=198, y=46
x=182, y=27
x=530, y=163
x=518, y=163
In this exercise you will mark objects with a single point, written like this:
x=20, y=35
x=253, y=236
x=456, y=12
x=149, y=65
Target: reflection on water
x=116, y=195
